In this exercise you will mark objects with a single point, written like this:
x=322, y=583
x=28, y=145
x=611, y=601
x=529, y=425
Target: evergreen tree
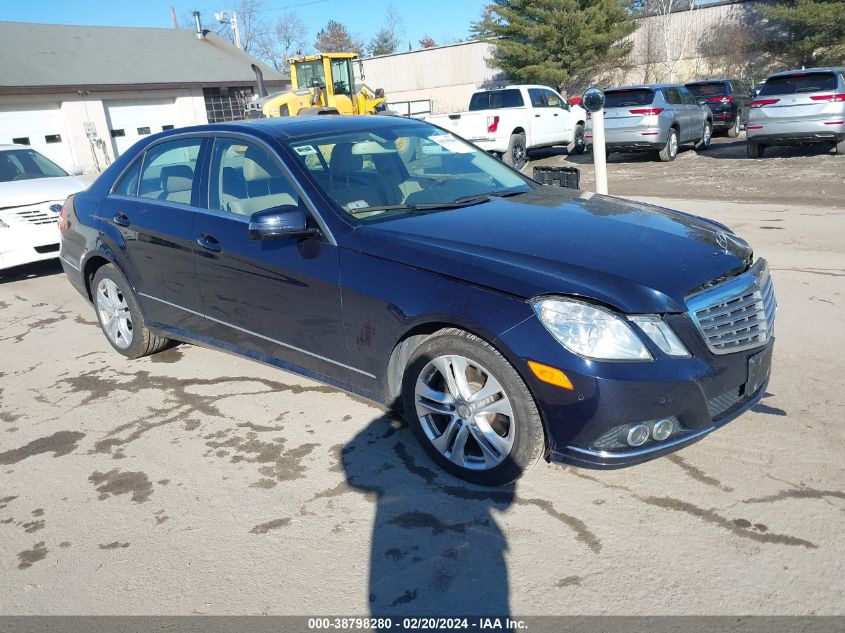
x=556, y=42
x=805, y=32
x=335, y=38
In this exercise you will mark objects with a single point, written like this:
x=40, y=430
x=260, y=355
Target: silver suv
x=654, y=117
x=798, y=107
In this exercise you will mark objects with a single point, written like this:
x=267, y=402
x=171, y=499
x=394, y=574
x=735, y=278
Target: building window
x=143, y=130
x=226, y=104
x=21, y=140
x=164, y=128
x=53, y=138
x=117, y=133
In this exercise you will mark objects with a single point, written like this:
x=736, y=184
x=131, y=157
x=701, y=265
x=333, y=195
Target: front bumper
x=26, y=246
x=703, y=393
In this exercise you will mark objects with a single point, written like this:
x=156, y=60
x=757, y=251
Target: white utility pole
x=236, y=29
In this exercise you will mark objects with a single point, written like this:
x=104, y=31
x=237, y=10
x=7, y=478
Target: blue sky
x=443, y=20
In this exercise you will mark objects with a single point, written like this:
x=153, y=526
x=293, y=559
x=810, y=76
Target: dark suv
x=728, y=99
x=505, y=320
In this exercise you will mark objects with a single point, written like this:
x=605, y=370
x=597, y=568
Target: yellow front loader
x=322, y=84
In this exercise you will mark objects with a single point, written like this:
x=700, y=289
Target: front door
x=561, y=121
x=278, y=298
x=149, y=216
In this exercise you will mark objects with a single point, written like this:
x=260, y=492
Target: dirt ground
x=195, y=482
x=793, y=175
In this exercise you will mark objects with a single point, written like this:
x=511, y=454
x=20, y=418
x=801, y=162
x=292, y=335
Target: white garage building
x=81, y=95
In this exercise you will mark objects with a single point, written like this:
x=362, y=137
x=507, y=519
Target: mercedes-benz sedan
x=506, y=320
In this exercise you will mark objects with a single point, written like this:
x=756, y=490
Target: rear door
x=681, y=112
x=792, y=100
x=697, y=113
x=148, y=219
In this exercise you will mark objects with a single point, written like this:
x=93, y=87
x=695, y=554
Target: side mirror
x=701, y=101
x=75, y=170
x=279, y=222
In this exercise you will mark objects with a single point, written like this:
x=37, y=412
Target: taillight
x=722, y=99
x=492, y=123
x=837, y=98
x=647, y=111
x=759, y=103
x=63, y=223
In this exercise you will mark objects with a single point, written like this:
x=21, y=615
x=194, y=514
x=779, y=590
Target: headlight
x=661, y=335
x=588, y=330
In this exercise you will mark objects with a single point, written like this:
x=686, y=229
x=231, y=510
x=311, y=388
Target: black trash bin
x=568, y=177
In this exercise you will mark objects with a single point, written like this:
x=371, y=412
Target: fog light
x=662, y=429
x=637, y=435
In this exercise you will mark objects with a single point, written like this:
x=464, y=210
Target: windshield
x=306, y=72
x=395, y=172
x=794, y=84
x=27, y=164
x=716, y=89
x=623, y=98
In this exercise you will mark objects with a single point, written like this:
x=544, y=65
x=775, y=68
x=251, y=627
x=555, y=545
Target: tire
x=706, y=136
x=733, y=132
x=453, y=424
x=120, y=317
x=839, y=148
x=755, y=150
x=670, y=150
x=517, y=153
x=578, y=145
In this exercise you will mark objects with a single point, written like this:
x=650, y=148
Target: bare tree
x=675, y=26
x=386, y=39
x=286, y=39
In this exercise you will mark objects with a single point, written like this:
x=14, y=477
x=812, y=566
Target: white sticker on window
x=305, y=150
x=451, y=143
x=358, y=204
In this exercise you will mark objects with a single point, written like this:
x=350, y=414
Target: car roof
x=710, y=81
x=801, y=71
x=5, y=147
x=291, y=127
x=646, y=87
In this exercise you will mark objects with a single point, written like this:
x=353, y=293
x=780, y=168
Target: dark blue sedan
x=505, y=320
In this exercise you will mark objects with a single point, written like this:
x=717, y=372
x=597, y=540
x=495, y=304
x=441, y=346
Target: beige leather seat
x=265, y=190
x=176, y=183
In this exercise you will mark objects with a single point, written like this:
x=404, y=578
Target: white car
x=32, y=191
x=509, y=121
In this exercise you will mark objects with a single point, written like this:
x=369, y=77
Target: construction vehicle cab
x=321, y=84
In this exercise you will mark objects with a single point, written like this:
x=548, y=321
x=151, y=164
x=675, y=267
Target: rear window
x=623, y=98
x=795, y=84
x=495, y=100
x=708, y=90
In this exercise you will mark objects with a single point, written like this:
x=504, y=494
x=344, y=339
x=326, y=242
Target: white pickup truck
x=509, y=121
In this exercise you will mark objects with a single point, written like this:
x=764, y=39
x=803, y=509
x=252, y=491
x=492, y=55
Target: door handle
x=209, y=243
x=555, y=113
x=536, y=116
x=121, y=219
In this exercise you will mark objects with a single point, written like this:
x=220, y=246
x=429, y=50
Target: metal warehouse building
x=81, y=95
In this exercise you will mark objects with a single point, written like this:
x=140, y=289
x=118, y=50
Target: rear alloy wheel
x=733, y=131
x=578, y=144
x=120, y=316
x=670, y=151
x=755, y=150
x=706, y=137
x=517, y=154
x=470, y=410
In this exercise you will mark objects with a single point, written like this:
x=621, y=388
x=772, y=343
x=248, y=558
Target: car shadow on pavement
x=30, y=271
x=437, y=549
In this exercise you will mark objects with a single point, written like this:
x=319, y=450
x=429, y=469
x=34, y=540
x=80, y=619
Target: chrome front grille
x=37, y=216
x=738, y=314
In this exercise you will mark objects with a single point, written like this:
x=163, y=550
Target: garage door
x=130, y=121
x=39, y=126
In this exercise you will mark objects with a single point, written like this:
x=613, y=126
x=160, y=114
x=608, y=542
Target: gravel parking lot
x=195, y=482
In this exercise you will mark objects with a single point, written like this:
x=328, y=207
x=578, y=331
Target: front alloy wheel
x=465, y=412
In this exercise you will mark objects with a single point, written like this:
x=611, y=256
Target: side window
x=687, y=97
x=673, y=96
x=245, y=179
x=128, y=184
x=552, y=100
x=168, y=172
x=537, y=98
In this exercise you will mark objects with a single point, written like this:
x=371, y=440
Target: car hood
x=636, y=257
x=25, y=192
